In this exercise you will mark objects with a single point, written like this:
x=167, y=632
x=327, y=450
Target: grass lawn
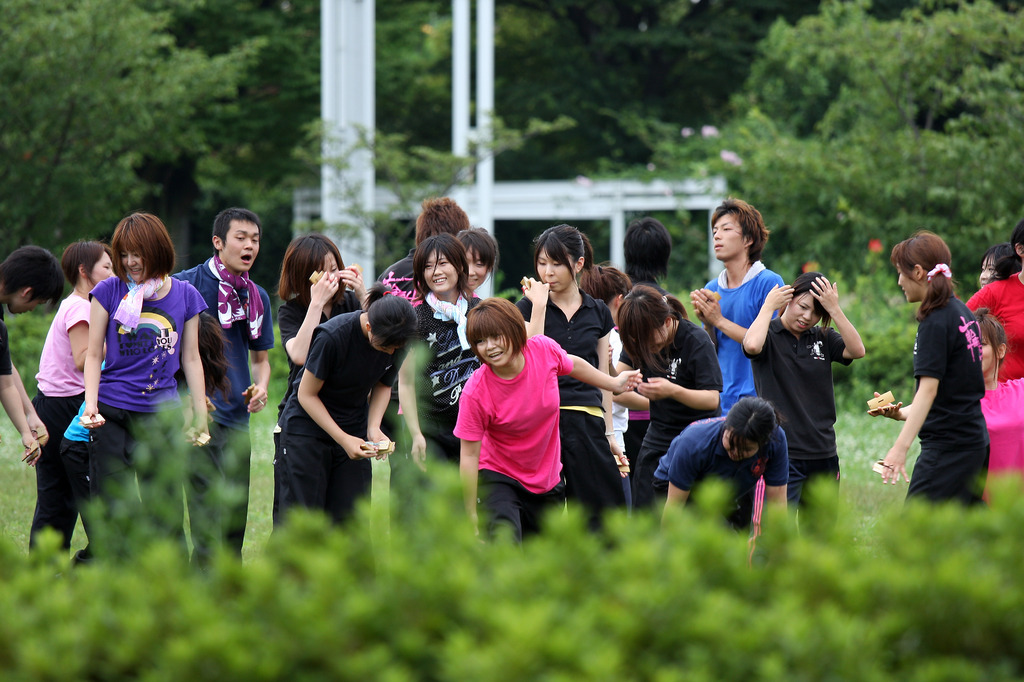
x=862, y=440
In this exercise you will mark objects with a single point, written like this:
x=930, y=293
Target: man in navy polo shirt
x=243, y=310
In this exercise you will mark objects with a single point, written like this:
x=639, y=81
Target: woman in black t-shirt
x=682, y=378
x=947, y=364
x=556, y=307
x=306, y=306
x=329, y=428
x=429, y=391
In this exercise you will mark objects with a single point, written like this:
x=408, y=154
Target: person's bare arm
x=895, y=462
x=827, y=294
x=469, y=470
x=259, y=361
x=537, y=292
x=192, y=365
x=777, y=298
x=676, y=498
x=78, y=335
x=98, y=319
x=309, y=397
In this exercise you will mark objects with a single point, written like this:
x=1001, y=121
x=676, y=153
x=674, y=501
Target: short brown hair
x=304, y=256
x=751, y=223
x=440, y=215
x=146, y=236
x=84, y=253
x=496, y=317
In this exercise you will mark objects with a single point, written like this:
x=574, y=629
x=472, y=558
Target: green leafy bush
x=935, y=595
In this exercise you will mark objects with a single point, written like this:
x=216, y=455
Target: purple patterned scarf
x=230, y=308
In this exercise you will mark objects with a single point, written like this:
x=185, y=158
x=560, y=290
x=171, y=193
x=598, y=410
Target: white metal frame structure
x=347, y=100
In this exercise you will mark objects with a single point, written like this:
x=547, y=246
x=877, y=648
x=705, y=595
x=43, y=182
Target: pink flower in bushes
x=708, y=131
x=875, y=246
x=731, y=157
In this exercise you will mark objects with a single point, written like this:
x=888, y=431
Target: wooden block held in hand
x=315, y=277
x=881, y=401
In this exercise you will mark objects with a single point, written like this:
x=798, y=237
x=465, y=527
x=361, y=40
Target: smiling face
x=728, y=240
x=496, y=352
x=477, y=269
x=913, y=283
x=240, y=246
x=800, y=315
x=559, y=277
x=133, y=266
x=442, y=277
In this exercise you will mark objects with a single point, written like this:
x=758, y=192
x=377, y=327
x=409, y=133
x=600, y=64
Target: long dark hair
x=211, y=352
x=927, y=250
x=642, y=313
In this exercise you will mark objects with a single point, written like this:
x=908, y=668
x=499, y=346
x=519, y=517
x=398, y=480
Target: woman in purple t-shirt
x=144, y=325
x=509, y=416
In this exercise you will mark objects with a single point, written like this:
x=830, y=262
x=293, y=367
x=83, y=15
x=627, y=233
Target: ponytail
x=931, y=253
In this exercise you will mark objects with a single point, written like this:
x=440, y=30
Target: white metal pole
x=461, y=31
x=484, y=112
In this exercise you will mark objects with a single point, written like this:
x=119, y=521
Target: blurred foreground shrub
x=935, y=594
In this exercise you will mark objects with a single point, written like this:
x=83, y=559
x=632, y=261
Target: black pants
x=75, y=456
x=588, y=467
x=275, y=512
x=55, y=500
x=218, y=491
x=508, y=505
x=136, y=472
x=644, y=465
x=318, y=474
x=819, y=513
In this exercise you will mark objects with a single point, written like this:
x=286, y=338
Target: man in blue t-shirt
x=243, y=310
x=728, y=304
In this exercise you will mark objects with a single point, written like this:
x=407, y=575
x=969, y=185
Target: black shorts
x=944, y=475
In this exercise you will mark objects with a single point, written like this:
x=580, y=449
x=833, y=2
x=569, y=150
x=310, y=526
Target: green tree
x=90, y=89
x=853, y=128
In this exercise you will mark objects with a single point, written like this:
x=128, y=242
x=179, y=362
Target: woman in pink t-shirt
x=508, y=418
x=1002, y=402
x=61, y=386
